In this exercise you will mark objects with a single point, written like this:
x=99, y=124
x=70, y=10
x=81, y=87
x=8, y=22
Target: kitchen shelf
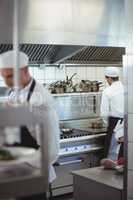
x=71, y=106
x=77, y=94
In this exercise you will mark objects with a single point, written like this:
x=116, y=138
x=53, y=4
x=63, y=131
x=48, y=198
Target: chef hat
x=7, y=59
x=111, y=72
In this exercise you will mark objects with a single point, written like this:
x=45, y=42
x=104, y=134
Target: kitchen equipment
x=62, y=86
x=80, y=146
x=69, y=83
x=95, y=86
x=96, y=124
x=66, y=130
x=79, y=149
x=85, y=86
x=77, y=105
x=89, y=86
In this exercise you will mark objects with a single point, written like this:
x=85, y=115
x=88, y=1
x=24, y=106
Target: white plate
x=22, y=155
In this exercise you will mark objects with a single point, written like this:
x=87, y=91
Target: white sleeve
x=105, y=105
x=53, y=132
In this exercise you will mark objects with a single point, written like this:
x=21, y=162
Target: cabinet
x=97, y=183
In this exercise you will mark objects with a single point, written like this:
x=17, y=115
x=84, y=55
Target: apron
x=112, y=122
x=26, y=139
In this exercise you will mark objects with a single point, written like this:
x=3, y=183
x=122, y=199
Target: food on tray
x=5, y=155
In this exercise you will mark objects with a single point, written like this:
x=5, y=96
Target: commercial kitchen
x=69, y=44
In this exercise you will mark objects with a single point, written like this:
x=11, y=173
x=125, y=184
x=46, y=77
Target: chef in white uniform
x=34, y=94
x=112, y=110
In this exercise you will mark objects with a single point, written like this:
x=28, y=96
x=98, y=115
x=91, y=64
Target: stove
x=73, y=133
x=76, y=141
x=79, y=135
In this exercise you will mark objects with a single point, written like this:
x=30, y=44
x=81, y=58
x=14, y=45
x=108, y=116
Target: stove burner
x=74, y=133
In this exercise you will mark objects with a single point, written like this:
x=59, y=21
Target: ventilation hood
x=65, y=22
x=57, y=54
x=60, y=31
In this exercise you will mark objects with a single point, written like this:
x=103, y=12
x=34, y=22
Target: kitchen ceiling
x=70, y=54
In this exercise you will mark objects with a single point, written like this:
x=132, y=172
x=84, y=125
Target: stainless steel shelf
x=77, y=105
x=76, y=94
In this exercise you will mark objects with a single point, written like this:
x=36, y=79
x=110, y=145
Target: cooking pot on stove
x=67, y=130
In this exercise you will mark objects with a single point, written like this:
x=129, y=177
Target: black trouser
x=112, y=121
x=34, y=197
x=121, y=151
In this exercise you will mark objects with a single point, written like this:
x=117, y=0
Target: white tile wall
x=39, y=73
x=81, y=73
x=52, y=74
x=60, y=73
x=91, y=73
x=49, y=73
x=70, y=71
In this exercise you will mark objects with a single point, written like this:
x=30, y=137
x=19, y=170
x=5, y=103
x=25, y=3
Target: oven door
x=64, y=182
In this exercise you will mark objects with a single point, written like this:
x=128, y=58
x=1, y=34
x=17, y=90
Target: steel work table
x=97, y=183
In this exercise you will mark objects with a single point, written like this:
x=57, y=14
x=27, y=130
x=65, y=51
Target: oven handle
x=70, y=162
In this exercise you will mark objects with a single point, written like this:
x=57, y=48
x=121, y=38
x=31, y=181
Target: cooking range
x=79, y=149
x=81, y=136
x=75, y=141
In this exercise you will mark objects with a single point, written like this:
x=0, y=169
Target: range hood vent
x=57, y=54
x=99, y=55
x=38, y=53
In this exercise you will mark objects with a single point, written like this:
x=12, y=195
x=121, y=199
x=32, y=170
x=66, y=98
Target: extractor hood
x=66, y=31
x=65, y=22
x=57, y=54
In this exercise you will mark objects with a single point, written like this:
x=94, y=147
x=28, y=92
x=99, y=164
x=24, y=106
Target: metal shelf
x=72, y=106
x=77, y=94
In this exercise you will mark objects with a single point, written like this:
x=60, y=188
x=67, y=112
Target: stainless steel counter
x=97, y=183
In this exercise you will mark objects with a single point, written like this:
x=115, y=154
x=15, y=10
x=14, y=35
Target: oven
x=78, y=150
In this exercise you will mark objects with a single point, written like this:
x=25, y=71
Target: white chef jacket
x=41, y=98
x=112, y=103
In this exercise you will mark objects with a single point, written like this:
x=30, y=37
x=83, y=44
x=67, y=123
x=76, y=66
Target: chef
x=34, y=94
x=112, y=111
